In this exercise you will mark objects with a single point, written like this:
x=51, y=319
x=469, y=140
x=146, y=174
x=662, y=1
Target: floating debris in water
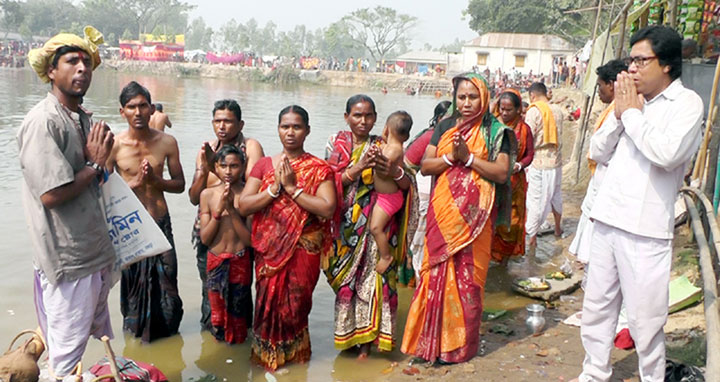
x=269, y=377
x=11, y=312
x=228, y=360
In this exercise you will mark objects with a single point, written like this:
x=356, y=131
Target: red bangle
x=216, y=217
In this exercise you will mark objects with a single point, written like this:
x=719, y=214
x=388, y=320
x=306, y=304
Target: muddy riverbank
x=363, y=80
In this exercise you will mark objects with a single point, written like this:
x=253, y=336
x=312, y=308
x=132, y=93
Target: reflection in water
x=171, y=363
x=188, y=102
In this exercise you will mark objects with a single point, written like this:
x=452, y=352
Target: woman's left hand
x=460, y=149
x=288, y=178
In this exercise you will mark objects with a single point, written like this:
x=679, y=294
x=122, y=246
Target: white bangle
x=447, y=160
x=274, y=196
x=402, y=173
x=470, y=160
x=297, y=193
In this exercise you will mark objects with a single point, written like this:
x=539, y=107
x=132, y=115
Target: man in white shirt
x=545, y=173
x=658, y=132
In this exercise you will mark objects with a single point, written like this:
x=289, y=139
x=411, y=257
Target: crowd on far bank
x=13, y=52
x=379, y=210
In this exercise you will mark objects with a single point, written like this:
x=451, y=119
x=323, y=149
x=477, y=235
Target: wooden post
x=597, y=20
x=621, y=37
x=709, y=277
x=579, y=137
x=673, y=13
x=700, y=161
x=709, y=188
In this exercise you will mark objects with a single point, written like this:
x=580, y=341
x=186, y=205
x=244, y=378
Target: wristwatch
x=94, y=166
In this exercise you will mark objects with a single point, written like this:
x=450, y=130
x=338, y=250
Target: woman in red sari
x=470, y=154
x=509, y=239
x=292, y=197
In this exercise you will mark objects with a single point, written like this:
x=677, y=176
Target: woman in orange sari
x=470, y=154
x=509, y=239
x=292, y=197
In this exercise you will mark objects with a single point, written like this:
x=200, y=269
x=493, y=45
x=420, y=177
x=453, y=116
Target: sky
x=439, y=22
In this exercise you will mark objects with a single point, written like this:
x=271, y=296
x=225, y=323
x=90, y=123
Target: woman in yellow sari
x=470, y=154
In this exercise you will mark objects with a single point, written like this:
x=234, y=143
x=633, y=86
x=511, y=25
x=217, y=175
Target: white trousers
x=69, y=312
x=544, y=195
x=633, y=269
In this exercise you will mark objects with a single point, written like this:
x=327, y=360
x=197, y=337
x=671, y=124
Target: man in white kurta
x=545, y=173
x=607, y=74
x=658, y=132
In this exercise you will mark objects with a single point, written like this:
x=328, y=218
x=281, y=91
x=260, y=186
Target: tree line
x=379, y=32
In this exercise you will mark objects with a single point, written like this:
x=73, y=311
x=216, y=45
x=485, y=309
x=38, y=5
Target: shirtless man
x=159, y=120
x=227, y=237
x=390, y=197
x=139, y=155
x=227, y=124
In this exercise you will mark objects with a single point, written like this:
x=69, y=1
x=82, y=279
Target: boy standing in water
x=149, y=299
x=159, y=120
x=390, y=198
x=227, y=125
x=229, y=262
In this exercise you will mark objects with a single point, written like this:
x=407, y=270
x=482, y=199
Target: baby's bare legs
x=378, y=220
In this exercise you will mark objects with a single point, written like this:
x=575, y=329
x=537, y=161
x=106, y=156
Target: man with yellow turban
x=61, y=155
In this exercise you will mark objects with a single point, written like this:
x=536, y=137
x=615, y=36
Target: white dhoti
x=417, y=247
x=68, y=313
x=633, y=269
x=544, y=195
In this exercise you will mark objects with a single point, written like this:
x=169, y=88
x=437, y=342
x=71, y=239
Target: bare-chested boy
x=229, y=261
x=159, y=120
x=149, y=300
x=227, y=124
x=390, y=198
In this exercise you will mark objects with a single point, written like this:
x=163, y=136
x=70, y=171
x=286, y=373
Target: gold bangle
x=347, y=175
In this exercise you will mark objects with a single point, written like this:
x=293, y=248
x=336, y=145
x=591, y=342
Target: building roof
x=423, y=57
x=521, y=41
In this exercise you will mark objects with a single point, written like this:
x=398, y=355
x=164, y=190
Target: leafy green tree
x=109, y=18
x=25, y=32
x=534, y=16
x=48, y=17
x=379, y=30
x=453, y=47
x=12, y=15
x=267, y=39
x=337, y=42
x=146, y=15
x=198, y=35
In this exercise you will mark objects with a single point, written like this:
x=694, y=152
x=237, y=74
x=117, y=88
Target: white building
x=521, y=51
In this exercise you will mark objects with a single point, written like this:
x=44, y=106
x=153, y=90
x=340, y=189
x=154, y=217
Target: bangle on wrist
x=470, y=160
x=447, y=160
x=402, y=174
x=347, y=175
x=216, y=216
x=274, y=196
x=297, y=193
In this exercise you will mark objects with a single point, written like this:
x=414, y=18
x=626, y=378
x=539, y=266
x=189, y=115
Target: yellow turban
x=41, y=58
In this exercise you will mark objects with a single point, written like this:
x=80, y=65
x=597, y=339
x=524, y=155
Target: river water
x=188, y=101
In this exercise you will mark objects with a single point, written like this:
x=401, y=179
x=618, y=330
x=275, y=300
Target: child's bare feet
x=383, y=264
